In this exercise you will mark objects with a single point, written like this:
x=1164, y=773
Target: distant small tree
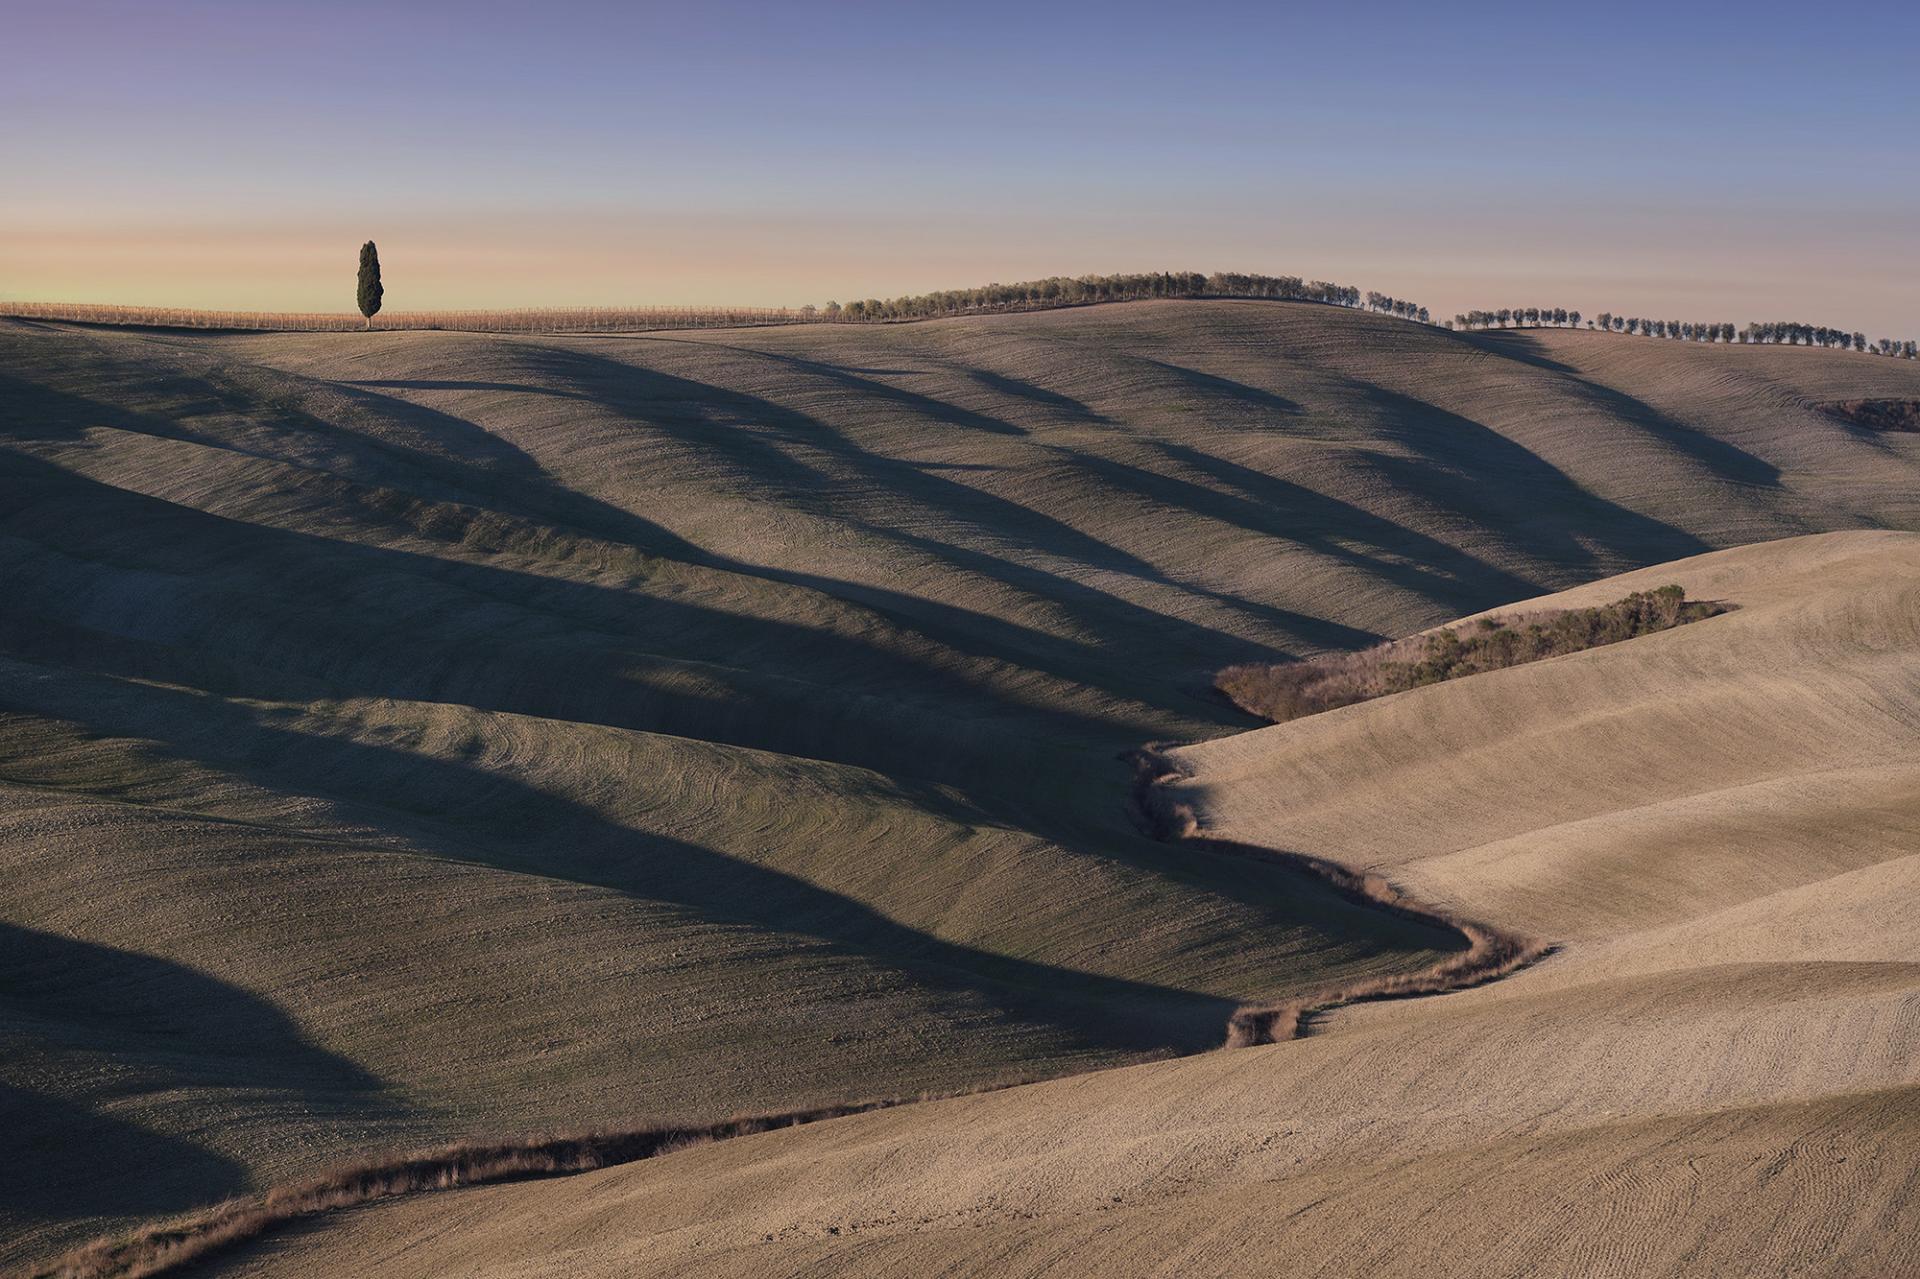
x=370, y=291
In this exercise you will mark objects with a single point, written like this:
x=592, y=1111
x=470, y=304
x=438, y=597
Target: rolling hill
x=409, y=736
x=1715, y=1075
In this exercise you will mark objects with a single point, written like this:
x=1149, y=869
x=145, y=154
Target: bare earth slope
x=407, y=736
x=1716, y=1075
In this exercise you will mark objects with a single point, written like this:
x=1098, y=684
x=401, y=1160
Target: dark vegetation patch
x=1293, y=689
x=1879, y=415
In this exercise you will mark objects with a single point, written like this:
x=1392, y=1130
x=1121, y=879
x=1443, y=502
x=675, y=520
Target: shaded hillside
x=1716, y=1075
x=406, y=736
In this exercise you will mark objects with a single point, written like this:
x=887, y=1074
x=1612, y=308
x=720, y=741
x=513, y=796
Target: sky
x=1692, y=160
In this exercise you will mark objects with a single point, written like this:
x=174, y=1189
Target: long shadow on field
x=1457, y=579
x=1019, y=388
x=1506, y=488
x=180, y=1029
x=760, y=443
x=147, y=589
x=440, y=457
x=476, y=815
x=1290, y=513
x=420, y=450
x=66, y=1161
x=31, y=411
x=383, y=622
x=1057, y=791
x=709, y=419
x=1215, y=387
x=1512, y=345
x=433, y=384
x=867, y=389
x=1728, y=461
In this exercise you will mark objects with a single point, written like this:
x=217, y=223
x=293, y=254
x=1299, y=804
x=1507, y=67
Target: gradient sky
x=1684, y=160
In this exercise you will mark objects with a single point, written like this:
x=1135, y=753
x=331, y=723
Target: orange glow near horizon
x=605, y=261
x=1639, y=158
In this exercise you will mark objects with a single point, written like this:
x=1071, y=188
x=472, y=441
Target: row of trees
x=1793, y=333
x=1061, y=290
x=1771, y=332
x=1768, y=333
x=1531, y=315
x=1681, y=330
x=1398, y=306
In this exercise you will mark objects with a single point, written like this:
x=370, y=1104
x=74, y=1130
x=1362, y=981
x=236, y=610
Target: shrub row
x=1291, y=690
x=1081, y=290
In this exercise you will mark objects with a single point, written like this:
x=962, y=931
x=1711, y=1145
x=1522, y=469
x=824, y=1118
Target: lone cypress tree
x=370, y=290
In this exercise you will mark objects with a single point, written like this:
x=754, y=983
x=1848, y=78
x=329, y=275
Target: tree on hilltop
x=370, y=291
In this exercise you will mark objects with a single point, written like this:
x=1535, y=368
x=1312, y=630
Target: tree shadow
x=767, y=449
x=846, y=378
x=1500, y=485
x=418, y=627
x=701, y=417
x=66, y=1161
x=1726, y=460
x=1275, y=508
x=1019, y=388
x=428, y=384
x=1214, y=386
x=802, y=462
x=460, y=811
x=1514, y=346
x=182, y=1029
x=433, y=454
